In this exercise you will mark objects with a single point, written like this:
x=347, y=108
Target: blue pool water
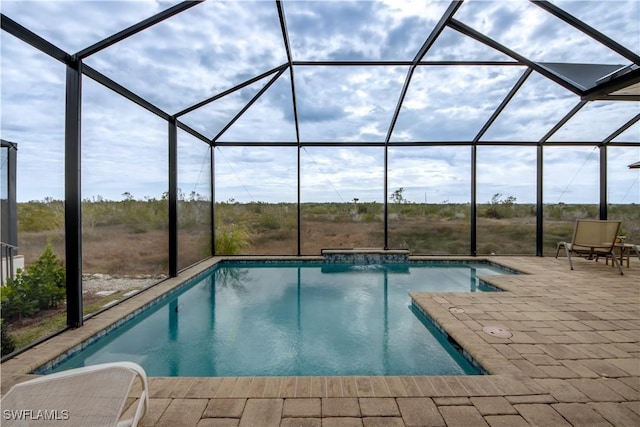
x=290, y=319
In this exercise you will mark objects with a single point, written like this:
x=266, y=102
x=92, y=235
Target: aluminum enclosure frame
x=76, y=69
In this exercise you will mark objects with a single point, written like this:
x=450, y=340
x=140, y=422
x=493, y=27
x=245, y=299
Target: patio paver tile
x=262, y=413
x=621, y=388
x=605, y=368
x=183, y=412
x=541, y=415
x=378, y=407
x=419, y=411
x=596, y=390
x=530, y=369
x=302, y=408
x=224, y=408
x=493, y=406
x=619, y=414
x=153, y=414
x=340, y=407
x=461, y=416
x=633, y=382
x=580, y=370
x=579, y=414
x=630, y=366
x=558, y=372
x=562, y=391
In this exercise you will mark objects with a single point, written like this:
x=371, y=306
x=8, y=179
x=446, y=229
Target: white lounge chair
x=593, y=239
x=90, y=396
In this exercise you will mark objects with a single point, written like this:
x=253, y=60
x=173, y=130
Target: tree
x=398, y=196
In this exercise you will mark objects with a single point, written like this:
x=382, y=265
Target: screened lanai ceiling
x=370, y=72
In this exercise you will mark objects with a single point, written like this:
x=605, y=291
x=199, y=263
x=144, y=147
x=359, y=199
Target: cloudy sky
x=218, y=44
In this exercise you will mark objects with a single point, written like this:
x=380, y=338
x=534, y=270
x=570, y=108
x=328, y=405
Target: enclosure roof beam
x=249, y=104
x=287, y=46
x=562, y=121
x=435, y=33
x=136, y=28
x=231, y=90
x=8, y=144
x=622, y=128
x=588, y=30
x=121, y=90
x=503, y=104
x=29, y=37
x=402, y=63
x=192, y=131
x=415, y=143
x=474, y=34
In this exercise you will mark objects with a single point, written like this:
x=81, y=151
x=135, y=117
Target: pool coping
x=574, y=342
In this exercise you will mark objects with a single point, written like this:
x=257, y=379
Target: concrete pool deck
x=573, y=359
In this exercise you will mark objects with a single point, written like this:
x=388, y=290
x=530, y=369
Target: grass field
x=130, y=238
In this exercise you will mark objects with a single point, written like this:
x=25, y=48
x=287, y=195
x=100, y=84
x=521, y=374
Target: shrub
x=269, y=221
x=17, y=298
x=500, y=208
x=8, y=344
x=231, y=241
x=41, y=216
x=41, y=286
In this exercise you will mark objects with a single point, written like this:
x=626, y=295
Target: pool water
x=294, y=319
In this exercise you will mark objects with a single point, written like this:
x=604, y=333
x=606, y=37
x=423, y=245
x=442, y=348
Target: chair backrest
x=596, y=234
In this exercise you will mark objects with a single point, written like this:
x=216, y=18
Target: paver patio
x=573, y=360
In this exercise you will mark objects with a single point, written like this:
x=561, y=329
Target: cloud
x=82, y=23
x=196, y=54
x=216, y=45
x=532, y=32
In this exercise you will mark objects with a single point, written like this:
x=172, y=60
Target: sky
x=217, y=45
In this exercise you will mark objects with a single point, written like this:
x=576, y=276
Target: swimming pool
x=294, y=319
